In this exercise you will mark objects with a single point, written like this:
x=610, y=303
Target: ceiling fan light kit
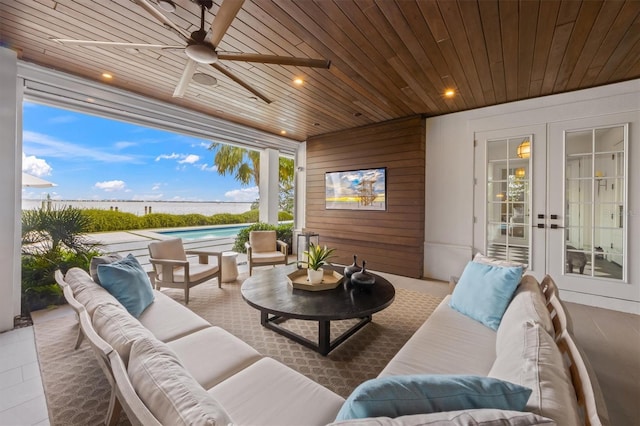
x=201, y=51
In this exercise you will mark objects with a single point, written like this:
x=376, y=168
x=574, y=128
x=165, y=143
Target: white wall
x=10, y=178
x=449, y=209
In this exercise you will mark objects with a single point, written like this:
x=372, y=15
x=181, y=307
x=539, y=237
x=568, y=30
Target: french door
x=555, y=196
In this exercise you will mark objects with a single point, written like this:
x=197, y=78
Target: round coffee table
x=269, y=291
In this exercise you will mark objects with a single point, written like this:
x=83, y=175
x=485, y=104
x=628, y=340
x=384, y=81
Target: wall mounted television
x=364, y=189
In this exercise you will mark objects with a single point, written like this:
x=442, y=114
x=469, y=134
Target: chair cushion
x=270, y=256
x=118, y=328
x=168, y=390
x=484, y=292
x=168, y=249
x=93, y=297
x=101, y=260
x=128, y=282
x=395, y=396
x=268, y=393
x=197, y=272
x=528, y=304
x=532, y=359
x=442, y=346
x=262, y=241
x=79, y=280
x=168, y=320
x=219, y=355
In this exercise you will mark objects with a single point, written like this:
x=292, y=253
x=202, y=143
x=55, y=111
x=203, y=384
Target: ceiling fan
x=202, y=51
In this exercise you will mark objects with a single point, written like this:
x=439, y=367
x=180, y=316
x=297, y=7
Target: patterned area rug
x=77, y=391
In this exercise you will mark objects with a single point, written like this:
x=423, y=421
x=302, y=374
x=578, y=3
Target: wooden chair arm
x=282, y=246
x=167, y=266
x=171, y=262
x=203, y=255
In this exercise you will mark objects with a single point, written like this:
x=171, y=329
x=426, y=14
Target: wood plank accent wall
x=392, y=240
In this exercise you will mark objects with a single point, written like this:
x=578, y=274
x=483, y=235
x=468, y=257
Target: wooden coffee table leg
x=324, y=337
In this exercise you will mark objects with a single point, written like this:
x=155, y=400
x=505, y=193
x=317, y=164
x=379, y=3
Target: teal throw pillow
x=395, y=396
x=484, y=292
x=128, y=282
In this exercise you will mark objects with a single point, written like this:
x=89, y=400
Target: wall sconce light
x=524, y=149
x=500, y=195
x=602, y=183
x=520, y=172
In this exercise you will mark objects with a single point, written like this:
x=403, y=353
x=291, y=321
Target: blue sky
x=94, y=158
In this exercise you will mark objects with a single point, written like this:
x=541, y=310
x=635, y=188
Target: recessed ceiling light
x=205, y=79
x=316, y=124
x=253, y=99
x=91, y=100
x=167, y=5
x=283, y=132
x=449, y=93
x=298, y=81
x=107, y=75
x=132, y=50
x=357, y=114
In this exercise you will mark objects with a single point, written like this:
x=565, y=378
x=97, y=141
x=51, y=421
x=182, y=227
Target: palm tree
x=245, y=165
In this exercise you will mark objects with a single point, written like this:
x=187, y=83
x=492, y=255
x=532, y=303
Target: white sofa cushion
x=118, y=328
x=268, y=393
x=528, y=304
x=92, y=297
x=212, y=355
x=447, y=343
x=169, y=320
x=168, y=390
x=197, y=272
x=479, y=417
x=533, y=360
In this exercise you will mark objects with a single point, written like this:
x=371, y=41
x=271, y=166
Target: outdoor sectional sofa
x=170, y=366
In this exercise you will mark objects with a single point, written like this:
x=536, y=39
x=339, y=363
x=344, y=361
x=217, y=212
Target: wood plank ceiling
x=389, y=59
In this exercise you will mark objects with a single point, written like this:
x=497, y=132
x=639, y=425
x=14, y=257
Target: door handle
x=541, y=225
x=553, y=217
x=554, y=226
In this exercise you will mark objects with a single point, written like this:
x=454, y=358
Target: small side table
x=229, y=266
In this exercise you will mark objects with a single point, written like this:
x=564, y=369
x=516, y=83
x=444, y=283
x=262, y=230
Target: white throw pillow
x=480, y=258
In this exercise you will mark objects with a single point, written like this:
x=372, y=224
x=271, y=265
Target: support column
x=10, y=181
x=269, y=185
x=300, y=196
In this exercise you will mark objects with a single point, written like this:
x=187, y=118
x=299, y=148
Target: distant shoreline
x=206, y=208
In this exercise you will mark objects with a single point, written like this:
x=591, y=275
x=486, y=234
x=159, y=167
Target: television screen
x=356, y=189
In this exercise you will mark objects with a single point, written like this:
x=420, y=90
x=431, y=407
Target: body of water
x=140, y=208
x=196, y=234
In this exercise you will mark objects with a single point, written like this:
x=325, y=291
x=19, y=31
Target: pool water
x=196, y=234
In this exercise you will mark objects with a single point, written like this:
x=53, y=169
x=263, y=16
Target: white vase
x=315, y=277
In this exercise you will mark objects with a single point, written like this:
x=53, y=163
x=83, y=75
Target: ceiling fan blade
x=242, y=83
x=115, y=43
x=187, y=74
x=163, y=19
x=226, y=14
x=278, y=60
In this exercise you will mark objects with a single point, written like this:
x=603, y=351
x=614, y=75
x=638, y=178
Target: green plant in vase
x=317, y=256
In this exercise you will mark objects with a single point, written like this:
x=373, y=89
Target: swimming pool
x=196, y=234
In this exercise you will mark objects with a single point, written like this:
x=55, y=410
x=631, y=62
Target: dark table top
x=270, y=291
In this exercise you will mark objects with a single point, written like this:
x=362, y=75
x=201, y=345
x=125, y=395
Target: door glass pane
x=508, y=199
x=595, y=202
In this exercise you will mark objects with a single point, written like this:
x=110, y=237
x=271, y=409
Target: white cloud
x=190, y=159
x=171, y=156
x=35, y=166
x=124, y=144
x=205, y=168
x=46, y=146
x=111, y=185
x=156, y=186
x=243, y=195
